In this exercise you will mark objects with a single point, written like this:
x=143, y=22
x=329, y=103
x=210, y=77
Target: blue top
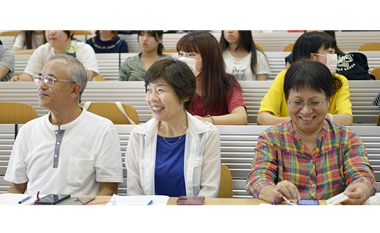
x=117, y=45
x=168, y=175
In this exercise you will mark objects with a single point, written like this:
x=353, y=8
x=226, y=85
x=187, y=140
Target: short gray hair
x=75, y=71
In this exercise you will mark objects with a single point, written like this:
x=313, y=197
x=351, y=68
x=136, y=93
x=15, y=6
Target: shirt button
x=57, y=143
x=55, y=155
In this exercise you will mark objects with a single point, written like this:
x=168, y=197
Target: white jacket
x=201, y=163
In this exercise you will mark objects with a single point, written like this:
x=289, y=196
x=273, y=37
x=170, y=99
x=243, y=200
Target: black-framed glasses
x=314, y=104
x=48, y=80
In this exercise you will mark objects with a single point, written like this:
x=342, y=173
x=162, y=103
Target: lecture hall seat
x=16, y=113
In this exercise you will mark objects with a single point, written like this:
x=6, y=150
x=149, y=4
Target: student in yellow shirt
x=317, y=46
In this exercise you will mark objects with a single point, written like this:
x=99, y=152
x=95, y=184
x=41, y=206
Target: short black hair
x=308, y=74
x=311, y=42
x=175, y=73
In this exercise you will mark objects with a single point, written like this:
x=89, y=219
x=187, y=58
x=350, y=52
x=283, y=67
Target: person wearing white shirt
x=57, y=42
x=26, y=42
x=243, y=60
x=69, y=150
x=173, y=154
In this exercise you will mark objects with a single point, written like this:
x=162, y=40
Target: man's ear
x=76, y=90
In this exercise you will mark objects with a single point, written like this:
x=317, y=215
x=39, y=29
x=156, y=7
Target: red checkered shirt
x=338, y=160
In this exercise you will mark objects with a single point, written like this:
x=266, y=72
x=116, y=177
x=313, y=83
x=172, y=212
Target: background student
x=107, y=42
x=58, y=40
x=243, y=60
x=134, y=68
x=317, y=46
x=28, y=41
x=218, y=97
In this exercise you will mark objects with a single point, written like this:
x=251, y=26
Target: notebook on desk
x=139, y=200
x=15, y=198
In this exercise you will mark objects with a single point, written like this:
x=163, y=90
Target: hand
x=208, y=119
x=15, y=79
x=287, y=189
x=357, y=194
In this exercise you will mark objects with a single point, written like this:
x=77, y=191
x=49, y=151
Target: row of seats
x=270, y=42
x=362, y=94
x=109, y=64
x=237, y=150
x=20, y=113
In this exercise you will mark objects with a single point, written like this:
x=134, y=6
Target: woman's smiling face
x=307, y=119
x=163, y=101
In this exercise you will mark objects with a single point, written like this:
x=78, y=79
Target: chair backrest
x=9, y=33
x=16, y=113
x=110, y=111
x=259, y=47
x=369, y=47
x=100, y=78
x=288, y=48
x=169, y=51
x=82, y=33
x=378, y=120
x=225, y=187
x=376, y=72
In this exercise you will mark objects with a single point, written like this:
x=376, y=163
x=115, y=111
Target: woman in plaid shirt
x=310, y=156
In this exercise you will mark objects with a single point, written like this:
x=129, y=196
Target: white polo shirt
x=72, y=160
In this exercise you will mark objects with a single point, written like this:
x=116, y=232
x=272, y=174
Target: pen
x=24, y=200
x=151, y=202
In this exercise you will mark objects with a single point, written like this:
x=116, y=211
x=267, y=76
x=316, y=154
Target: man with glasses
x=69, y=150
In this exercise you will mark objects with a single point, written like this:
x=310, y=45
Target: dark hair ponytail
x=157, y=35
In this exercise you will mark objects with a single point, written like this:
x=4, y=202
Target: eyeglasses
x=314, y=104
x=48, y=80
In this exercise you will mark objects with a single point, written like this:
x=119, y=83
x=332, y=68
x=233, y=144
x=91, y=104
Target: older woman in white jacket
x=174, y=153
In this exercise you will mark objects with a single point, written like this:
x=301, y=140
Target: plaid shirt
x=338, y=160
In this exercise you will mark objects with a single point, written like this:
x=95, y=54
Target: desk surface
x=102, y=200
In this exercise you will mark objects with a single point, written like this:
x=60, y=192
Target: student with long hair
x=218, y=98
x=243, y=60
x=58, y=40
x=28, y=41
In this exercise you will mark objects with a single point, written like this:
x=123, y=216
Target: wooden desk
x=102, y=200
x=231, y=201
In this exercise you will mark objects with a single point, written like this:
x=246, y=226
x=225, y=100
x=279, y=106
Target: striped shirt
x=338, y=160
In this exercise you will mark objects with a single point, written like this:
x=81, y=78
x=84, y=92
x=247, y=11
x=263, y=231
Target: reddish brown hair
x=214, y=79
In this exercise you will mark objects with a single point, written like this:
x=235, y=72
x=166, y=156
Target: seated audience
x=69, y=150
x=174, y=153
x=27, y=41
x=7, y=63
x=318, y=46
x=134, y=68
x=107, y=42
x=243, y=60
x=310, y=156
x=58, y=41
x=218, y=97
x=353, y=65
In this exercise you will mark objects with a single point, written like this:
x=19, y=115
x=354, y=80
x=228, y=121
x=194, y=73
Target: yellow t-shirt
x=274, y=101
